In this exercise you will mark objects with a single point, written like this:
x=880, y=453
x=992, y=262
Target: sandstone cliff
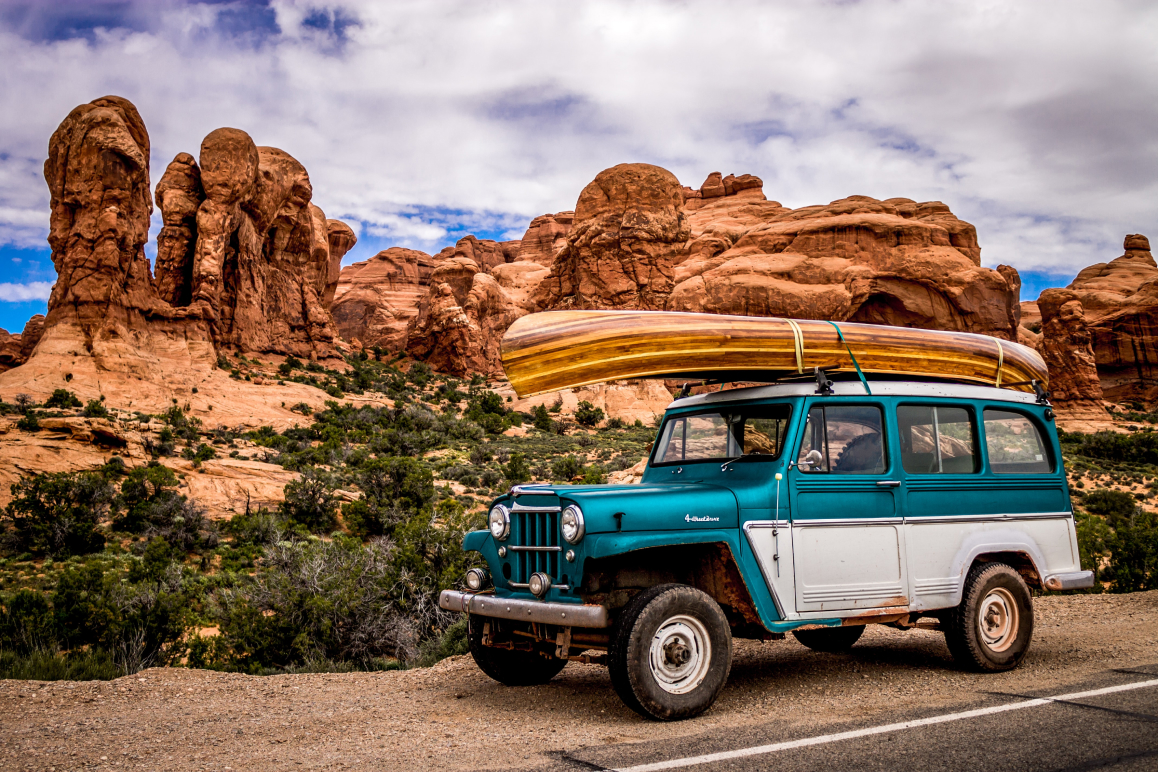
x=637, y=239
x=1118, y=305
x=244, y=262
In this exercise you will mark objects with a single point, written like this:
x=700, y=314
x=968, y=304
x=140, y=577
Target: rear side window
x=1014, y=444
x=843, y=439
x=937, y=439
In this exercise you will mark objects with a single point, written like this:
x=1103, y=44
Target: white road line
x=852, y=735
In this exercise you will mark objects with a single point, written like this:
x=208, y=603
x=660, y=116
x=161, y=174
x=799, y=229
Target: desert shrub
x=615, y=423
x=57, y=514
x=95, y=409
x=541, y=418
x=490, y=478
x=134, y=620
x=588, y=415
x=1113, y=505
x=594, y=475
x=310, y=501
x=261, y=527
x=566, y=468
x=46, y=665
x=516, y=470
x=480, y=455
x=1133, y=548
x=491, y=423
x=335, y=600
x=393, y=490
x=29, y=422
x=62, y=398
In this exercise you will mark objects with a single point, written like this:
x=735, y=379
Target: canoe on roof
x=566, y=349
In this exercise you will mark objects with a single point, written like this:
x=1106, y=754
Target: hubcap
x=998, y=620
x=680, y=654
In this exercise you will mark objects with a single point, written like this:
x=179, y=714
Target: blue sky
x=422, y=120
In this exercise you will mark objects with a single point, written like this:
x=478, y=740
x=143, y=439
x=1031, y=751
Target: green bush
x=44, y=665
x=516, y=470
x=566, y=468
x=588, y=415
x=310, y=501
x=1115, y=506
x=393, y=490
x=95, y=409
x=28, y=422
x=334, y=600
x=541, y=418
x=1134, y=553
x=57, y=514
x=62, y=398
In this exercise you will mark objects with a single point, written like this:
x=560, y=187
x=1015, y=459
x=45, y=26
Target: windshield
x=728, y=432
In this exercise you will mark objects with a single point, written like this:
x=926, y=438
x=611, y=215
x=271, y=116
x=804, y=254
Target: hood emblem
x=700, y=519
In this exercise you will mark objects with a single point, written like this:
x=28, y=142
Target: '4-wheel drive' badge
x=699, y=519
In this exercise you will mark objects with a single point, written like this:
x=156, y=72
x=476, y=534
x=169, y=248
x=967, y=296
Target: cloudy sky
x=422, y=121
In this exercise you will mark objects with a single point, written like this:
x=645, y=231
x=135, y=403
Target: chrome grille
x=534, y=544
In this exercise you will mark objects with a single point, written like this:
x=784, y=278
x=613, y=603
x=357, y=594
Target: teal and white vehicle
x=806, y=508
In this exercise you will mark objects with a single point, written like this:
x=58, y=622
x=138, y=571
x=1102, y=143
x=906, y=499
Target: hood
x=667, y=507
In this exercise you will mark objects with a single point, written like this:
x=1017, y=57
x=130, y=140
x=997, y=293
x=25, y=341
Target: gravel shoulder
x=453, y=717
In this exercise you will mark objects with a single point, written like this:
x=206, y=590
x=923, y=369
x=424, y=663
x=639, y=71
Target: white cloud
x=18, y=293
x=1034, y=121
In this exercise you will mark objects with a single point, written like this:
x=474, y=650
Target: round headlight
x=499, y=522
x=571, y=523
x=539, y=584
x=476, y=579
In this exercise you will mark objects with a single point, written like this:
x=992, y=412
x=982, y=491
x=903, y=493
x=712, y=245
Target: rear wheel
x=991, y=630
x=670, y=652
x=831, y=640
x=513, y=668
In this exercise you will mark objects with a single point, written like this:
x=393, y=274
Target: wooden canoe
x=566, y=349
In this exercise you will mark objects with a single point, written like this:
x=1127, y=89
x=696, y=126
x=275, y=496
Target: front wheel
x=513, y=668
x=670, y=652
x=990, y=631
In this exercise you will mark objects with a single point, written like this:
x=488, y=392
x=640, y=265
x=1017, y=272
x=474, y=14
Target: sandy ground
x=452, y=717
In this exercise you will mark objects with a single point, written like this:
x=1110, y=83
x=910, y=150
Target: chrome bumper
x=1078, y=580
x=569, y=614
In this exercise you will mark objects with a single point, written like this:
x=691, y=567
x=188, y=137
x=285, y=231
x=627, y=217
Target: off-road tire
x=994, y=590
x=830, y=640
x=513, y=668
x=666, y=613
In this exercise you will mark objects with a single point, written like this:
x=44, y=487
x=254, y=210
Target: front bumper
x=1078, y=580
x=568, y=614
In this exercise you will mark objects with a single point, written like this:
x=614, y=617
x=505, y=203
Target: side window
x=696, y=437
x=1014, y=444
x=937, y=440
x=843, y=440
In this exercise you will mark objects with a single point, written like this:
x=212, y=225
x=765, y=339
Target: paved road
x=1108, y=722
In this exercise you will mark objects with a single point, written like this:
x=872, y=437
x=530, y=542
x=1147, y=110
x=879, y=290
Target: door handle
x=888, y=483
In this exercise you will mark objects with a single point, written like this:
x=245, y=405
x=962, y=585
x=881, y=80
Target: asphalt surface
x=1116, y=731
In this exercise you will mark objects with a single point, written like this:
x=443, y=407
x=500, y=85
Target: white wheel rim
x=998, y=620
x=680, y=655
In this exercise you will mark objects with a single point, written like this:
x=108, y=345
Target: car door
x=847, y=535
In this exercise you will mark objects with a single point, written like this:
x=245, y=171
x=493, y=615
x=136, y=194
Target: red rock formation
x=639, y=240
x=545, y=238
x=1066, y=345
x=341, y=239
x=15, y=349
x=461, y=321
x=1120, y=301
x=258, y=260
x=630, y=227
x=375, y=299
x=179, y=195
x=858, y=259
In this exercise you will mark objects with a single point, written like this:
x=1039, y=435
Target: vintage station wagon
x=809, y=508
